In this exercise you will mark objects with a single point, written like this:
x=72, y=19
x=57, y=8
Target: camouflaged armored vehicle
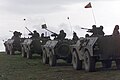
x=32, y=45
x=54, y=50
x=13, y=44
x=59, y=48
x=91, y=49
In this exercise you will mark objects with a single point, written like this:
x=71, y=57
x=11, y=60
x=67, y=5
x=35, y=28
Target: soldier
x=75, y=37
x=61, y=35
x=93, y=30
x=116, y=31
x=16, y=35
x=35, y=34
x=100, y=31
x=87, y=35
x=42, y=35
x=97, y=31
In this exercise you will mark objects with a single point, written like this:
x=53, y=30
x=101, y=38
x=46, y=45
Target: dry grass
x=14, y=67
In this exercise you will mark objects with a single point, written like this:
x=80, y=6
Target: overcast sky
x=54, y=13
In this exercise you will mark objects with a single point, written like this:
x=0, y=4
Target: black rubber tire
x=118, y=64
x=29, y=54
x=77, y=64
x=89, y=62
x=52, y=59
x=45, y=59
x=23, y=53
x=106, y=63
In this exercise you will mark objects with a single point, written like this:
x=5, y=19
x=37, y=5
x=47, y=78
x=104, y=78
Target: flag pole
x=46, y=24
x=69, y=23
x=25, y=26
x=94, y=16
x=90, y=6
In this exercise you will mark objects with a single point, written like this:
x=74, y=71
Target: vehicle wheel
x=11, y=51
x=77, y=64
x=89, y=62
x=45, y=59
x=118, y=63
x=23, y=52
x=29, y=54
x=52, y=59
x=106, y=63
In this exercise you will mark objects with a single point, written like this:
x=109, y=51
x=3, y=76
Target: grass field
x=14, y=67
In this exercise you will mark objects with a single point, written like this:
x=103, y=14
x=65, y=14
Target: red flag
x=88, y=5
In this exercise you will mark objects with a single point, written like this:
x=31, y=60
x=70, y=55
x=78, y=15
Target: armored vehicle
x=56, y=49
x=59, y=48
x=90, y=50
x=32, y=45
x=13, y=44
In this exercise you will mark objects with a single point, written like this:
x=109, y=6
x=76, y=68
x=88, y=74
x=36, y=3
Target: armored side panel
x=109, y=47
x=8, y=44
x=93, y=49
x=12, y=45
x=50, y=45
x=26, y=44
x=89, y=44
x=31, y=46
x=106, y=47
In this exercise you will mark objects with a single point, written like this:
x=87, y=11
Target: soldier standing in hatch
x=93, y=30
x=100, y=31
x=35, y=34
x=75, y=37
x=61, y=35
x=16, y=35
x=97, y=31
x=42, y=35
x=116, y=31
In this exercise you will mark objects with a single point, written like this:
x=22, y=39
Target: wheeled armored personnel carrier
x=13, y=44
x=59, y=48
x=54, y=50
x=32, y=45
x=90, y=50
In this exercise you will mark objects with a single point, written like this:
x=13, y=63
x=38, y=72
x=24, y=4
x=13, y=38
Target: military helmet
x=34, y=31
x=61, y=31
x=116, y=27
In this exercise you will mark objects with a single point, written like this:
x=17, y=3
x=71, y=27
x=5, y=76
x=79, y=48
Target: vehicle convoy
x=96, y=48
x=32, y=45
x=59, y=48
x=13, y=44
